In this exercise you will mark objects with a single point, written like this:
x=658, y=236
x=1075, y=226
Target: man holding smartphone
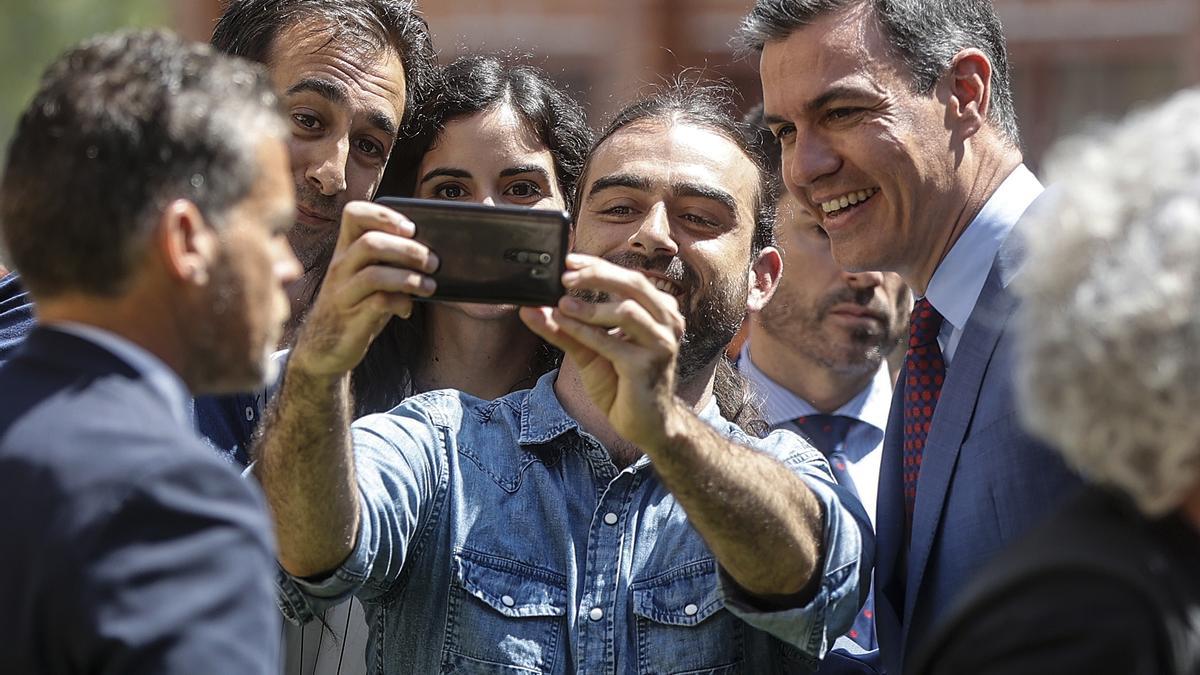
x=610, y=517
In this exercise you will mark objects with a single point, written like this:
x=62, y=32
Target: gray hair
x=121, y=125
x=925, y=34
x=1110, y=325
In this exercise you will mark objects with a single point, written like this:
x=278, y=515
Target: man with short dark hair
x=899, y=136
x=347, y=72
x=146, y=200
x=611, y=519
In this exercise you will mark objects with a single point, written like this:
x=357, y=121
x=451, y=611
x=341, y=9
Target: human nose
x=488, y=200
x=328, y=172
x=863, y=280
x=653, y=235
x=810, y=158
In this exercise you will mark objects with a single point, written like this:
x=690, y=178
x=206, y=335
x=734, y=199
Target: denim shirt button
x=610, y=519
x=596, y=614
x=691, y=610
x=508, y=601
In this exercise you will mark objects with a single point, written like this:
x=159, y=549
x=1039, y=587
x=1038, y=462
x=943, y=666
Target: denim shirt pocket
x=682, y=624
x=503, y=616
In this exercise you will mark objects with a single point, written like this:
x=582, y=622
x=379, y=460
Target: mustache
x=863, y=297
x=326, y=206
x=671, y=268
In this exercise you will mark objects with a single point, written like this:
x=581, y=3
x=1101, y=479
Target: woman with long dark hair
x=490, y=133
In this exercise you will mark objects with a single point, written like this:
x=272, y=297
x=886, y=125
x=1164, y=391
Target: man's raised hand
x=625, y=347
x=376, y=270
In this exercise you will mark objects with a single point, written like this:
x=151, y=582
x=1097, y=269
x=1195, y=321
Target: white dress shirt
x=958, y=280
x=166, y=381
x=864, y=442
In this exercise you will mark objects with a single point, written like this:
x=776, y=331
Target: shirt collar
x=166, y=381
x=543, y=418
x=871, y=406
x=959, y=279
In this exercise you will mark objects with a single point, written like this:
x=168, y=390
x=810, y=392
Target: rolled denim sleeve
x=399, y=461
x=848, y=555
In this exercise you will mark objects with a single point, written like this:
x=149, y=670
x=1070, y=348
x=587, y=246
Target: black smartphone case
x=491, y=254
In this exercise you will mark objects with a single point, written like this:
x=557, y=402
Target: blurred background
x=1073, y=60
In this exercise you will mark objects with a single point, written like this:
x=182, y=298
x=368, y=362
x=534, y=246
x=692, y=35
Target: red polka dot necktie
x=924, y=372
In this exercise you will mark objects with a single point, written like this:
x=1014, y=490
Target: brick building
x=1072, y=59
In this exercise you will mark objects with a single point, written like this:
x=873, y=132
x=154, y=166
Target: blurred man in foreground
x=1108, y=369
x=146, y=201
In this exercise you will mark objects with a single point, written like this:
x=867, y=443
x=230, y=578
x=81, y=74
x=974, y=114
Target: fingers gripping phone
x=491, y=254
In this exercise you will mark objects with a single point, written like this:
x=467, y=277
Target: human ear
x=969, y=80
x=764, y=278
x=185, y=242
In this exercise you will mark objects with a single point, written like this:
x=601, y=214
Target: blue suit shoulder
x=132, y=533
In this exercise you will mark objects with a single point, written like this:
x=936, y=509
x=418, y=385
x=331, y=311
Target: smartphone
x=504, y=255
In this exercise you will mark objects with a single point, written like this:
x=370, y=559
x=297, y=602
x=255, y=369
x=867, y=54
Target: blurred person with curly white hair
x=1110, y=374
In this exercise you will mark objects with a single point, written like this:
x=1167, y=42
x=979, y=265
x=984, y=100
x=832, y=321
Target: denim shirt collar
x=543, y=418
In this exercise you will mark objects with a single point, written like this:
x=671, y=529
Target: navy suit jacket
x=226, y=422
x=984, y=481
x=129, y=547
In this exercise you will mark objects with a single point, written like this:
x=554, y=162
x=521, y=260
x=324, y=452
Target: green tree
x=34, y=32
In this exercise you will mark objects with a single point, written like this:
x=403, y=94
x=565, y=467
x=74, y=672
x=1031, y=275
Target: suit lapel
x=951, y=419
x=889, y=509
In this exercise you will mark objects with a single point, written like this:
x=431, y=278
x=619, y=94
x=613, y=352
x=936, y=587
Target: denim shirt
x=498, y=537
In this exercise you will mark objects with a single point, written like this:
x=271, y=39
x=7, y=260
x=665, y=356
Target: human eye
x=784, y=132
x=616, y=212
x=524, y=191
x=369, y=147
x=449, y=191
x=844, y=113
x=306, y=121
x=701, y=221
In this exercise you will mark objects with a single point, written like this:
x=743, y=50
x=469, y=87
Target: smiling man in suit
x=146, y=201
x=899, y=135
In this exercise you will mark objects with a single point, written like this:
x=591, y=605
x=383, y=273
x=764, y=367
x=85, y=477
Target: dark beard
x=803, y=329
x=316, y=254
x=220, y=349
x=712, y=313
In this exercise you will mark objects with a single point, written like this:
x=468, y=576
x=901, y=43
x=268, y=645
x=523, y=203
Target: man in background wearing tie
x=816, y=355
